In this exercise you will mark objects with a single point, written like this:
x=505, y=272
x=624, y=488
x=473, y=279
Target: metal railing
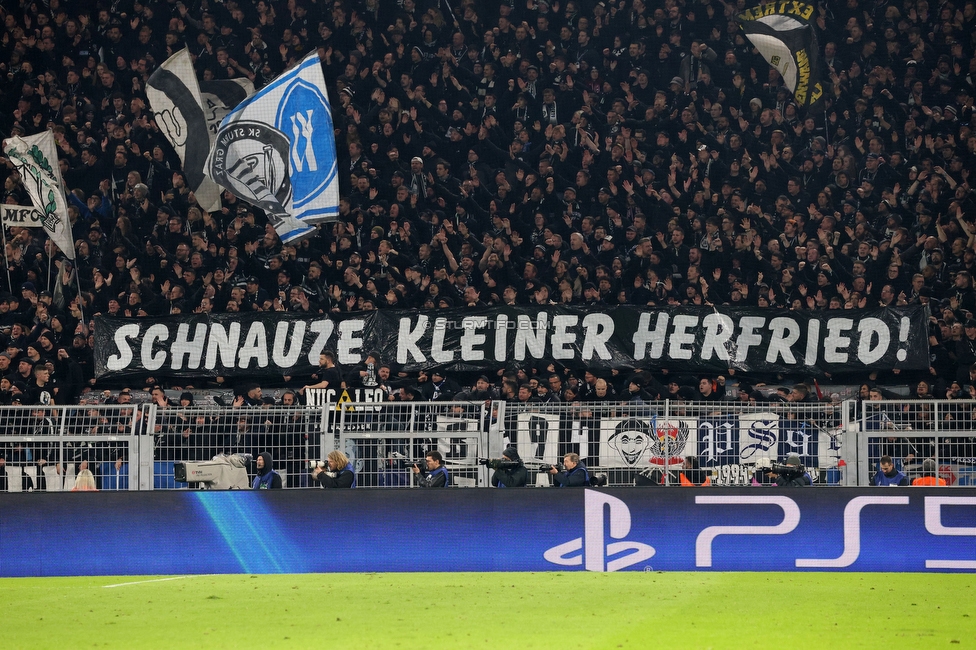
x=136, y=447
x=727, y=438
x=385, y=439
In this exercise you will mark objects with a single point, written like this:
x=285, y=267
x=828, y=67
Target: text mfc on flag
x=36, y=158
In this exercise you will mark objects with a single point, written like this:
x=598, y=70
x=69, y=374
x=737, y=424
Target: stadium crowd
x=525, y=152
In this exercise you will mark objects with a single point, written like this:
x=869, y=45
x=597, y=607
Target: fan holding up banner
x=277, y=151
x=785, y=36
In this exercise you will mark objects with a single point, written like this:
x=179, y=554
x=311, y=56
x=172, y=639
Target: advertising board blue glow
x=637, y=529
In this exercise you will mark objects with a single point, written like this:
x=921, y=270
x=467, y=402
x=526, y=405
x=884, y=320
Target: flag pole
x=50, y=261
x=81, y=300
x=6, y=262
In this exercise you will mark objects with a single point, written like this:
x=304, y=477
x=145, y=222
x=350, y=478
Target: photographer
x=574, y=473
x=434, y=474
x=509, y=470
x=340, y=473
x=792, y=474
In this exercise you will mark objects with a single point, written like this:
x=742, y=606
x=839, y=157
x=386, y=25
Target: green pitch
x=493, y=610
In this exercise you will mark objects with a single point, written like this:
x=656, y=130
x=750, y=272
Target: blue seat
x=163, y=478
x=112, y=479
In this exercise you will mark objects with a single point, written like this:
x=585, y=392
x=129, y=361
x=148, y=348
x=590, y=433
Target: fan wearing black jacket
x=509, y=470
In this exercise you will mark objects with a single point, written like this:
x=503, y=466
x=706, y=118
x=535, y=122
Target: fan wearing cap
x=439, y=387
x=792, y=478
x=256, y=294
x=509, y=471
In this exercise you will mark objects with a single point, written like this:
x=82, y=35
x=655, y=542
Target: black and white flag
x=785, y=36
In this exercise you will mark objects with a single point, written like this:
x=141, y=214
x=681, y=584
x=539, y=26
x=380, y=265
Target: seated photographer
x=267, y=478
x=337, y=472
x=888, y=475
x=692, y=475
x=574, y=473
x=509, y=470
x=433, y=474
x=930, y=475
x=784, y=476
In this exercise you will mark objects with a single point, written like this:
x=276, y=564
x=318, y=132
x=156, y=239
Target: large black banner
x=689, y=338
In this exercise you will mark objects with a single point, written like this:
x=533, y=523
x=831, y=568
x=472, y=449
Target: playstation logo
x=591, y=550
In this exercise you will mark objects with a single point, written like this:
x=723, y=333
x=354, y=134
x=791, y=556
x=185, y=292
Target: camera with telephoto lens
x=498, y=463
x=788, y=472
x=402, y=462
x=546, y=467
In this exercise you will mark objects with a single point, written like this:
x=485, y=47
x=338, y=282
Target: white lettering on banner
x=501, y=337
x=732, y=475
x=562, y=339
x=852, y=532
x=799, y=442
x=785, y=333
x=471, y=338
x=834, y=342
x=349, y=343
x=437, y=351
x=597, y=330
x=122, y=360
x=703, y=545
x=255, y=346
x=813, y=336
x=748, y=337
x=359, y=400
x=155, y=333
x=647, y=336
x=531, y=336
x=717, y=439
x=592, y=550
x=408, y=338
x=224, y=342
x=682, y=340
x=868, y=329
x=324, y=329
x=718, y=335
x=933, y=524
x=420, y=340
x=192, y=349
x=282, y=338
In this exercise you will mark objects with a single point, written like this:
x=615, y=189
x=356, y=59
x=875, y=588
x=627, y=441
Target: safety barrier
x=727, y=439
x=136, y=447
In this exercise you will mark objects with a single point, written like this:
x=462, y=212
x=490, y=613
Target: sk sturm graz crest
x=251, y=159
x=276, y=150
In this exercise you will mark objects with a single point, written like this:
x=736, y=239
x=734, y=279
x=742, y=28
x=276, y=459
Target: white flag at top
x=36, y=158
x=174, y=95
x=277, y=151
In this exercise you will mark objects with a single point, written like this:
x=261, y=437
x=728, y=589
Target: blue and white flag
x=276, y=150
